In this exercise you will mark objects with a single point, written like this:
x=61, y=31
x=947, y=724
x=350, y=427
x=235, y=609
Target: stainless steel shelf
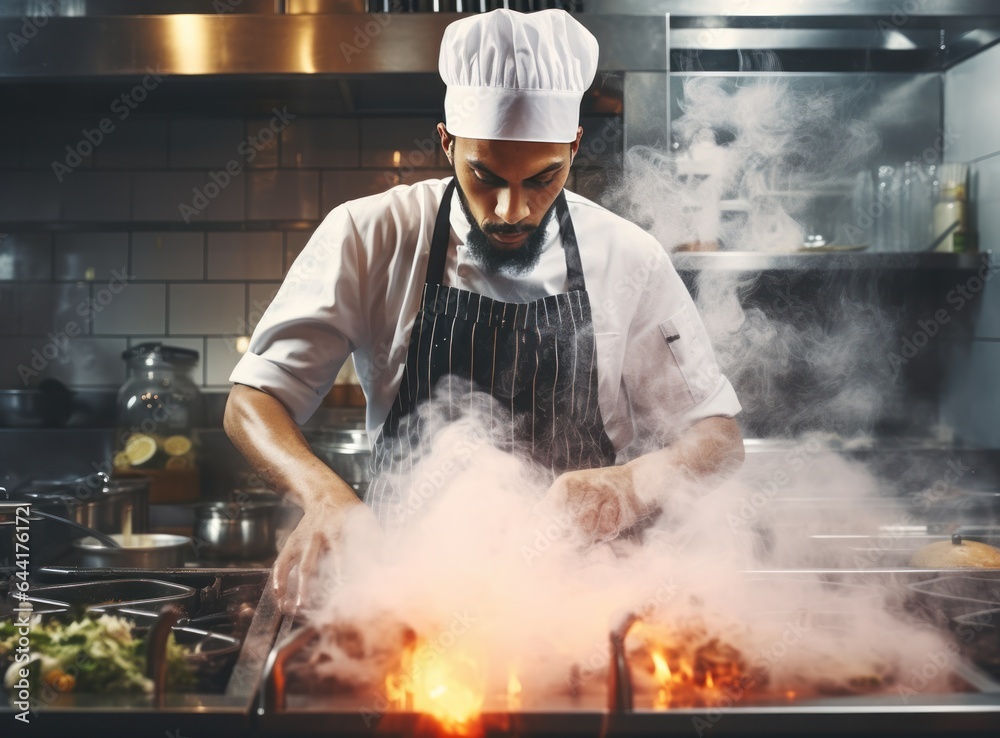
x=748, y=261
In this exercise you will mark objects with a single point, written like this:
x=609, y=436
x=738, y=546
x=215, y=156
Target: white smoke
x=490, y=578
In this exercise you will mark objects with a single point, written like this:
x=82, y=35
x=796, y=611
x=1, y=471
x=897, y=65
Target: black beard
x=510, y=262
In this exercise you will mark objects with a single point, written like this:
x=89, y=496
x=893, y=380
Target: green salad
x=94, y=653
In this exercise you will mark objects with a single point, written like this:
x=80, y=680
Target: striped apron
x=536, y=360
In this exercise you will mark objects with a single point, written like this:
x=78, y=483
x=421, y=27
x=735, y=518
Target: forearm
x=274, y=447
x=707, y=452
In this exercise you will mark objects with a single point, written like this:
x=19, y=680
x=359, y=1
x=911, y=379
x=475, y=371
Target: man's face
x=508, y=191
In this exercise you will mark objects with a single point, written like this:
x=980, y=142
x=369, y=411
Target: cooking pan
x=140, y=550
x=49, y=405
x=346, y=452
x=225, y=530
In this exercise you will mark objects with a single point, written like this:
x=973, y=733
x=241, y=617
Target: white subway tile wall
x=401, y=143
x=349, y=184
x=201, y=143
x=91, y=256
x=26, y=256
x=210, y=308
x=79, y=362
x=43, y=307
x=100, y=196
x=137, y=308
x=8, y=309
x=265, y=153
x=29, y=196
x=134, y=143
x=49, y=140
x=244, y=256
x=320, y=143
x=168, y=256
x=187, y=197
x=201, y=218
x=274, y=194
x=10, y=136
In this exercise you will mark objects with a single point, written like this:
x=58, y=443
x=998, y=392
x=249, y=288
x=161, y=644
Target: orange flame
x=445, y=685
x=513, y=692
x=661, y=670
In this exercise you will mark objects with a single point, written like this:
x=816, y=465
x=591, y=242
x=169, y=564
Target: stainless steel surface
x=620, y=697
x=972, y=712
x=96, y=501
x=77, y=8
x=145, y=550
x=196, y=45
x=98, y=536
x=225, y=530
x=114, y=37
x=220, y=704
x=273, y=691
x=749, y=261
x=795, y=8
x=145, y=594
x=346, y=452
x=156, y=649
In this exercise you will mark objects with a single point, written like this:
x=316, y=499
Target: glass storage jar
x=159, y=408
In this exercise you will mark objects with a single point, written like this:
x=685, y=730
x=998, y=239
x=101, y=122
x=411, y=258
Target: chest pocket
x=694, y=361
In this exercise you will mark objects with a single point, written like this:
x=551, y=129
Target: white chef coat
x=355, y=289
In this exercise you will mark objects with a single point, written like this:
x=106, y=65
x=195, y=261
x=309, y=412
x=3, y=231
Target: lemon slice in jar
x=176, y=463
x=140, y=448
x=121, y=460
x=177, y=445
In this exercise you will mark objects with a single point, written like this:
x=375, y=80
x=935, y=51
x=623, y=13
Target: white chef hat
x=516, y=76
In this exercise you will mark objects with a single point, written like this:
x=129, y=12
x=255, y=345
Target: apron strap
x=442, y=232
x=441, y=238
x=567, y=234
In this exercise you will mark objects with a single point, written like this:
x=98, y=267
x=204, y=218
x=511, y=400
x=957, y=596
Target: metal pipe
x=620, y=698
x=273, y=689
x=156, y=650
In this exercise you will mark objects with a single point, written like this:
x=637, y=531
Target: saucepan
x=134, y=550
x=228, y=530
x=49, y=405
x=346, y=452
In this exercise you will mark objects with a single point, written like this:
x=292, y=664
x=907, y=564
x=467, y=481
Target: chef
x=496, y=282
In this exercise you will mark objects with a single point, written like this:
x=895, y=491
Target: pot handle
x=102, y=537
x=156, y=650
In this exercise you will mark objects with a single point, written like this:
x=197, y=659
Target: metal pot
x=143, y=551
x=106, y=505
x=346, y=452
x=50, y=405
x=225, y=530
x=48, y=540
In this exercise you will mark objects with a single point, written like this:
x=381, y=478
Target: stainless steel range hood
x=60, y=39
x=48, y=39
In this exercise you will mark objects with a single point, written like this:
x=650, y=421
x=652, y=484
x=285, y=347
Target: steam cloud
x=512, y=582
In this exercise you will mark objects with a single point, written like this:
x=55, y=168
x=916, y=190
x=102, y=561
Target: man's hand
x=604, y=502
x=325, y=529
x=274, y=447
x=600, y=502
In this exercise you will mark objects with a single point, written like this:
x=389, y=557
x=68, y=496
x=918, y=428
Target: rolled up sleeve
x=670, y=371
x=314, y=323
